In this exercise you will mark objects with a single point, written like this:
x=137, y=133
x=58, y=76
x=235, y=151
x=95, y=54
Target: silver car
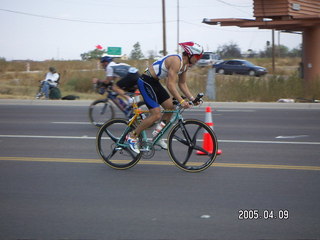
x=207, y=59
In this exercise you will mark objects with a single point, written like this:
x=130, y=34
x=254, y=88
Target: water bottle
x=158, y=129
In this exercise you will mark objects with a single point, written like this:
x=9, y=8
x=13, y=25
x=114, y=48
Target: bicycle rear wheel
x=101, y=111
x=192, y=145
x=111, y=145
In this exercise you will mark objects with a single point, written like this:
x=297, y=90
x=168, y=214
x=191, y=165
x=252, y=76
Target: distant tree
x=280, y=51
x=296, y=52
x=94, y=54
x=230, y=50
x=151, y=54
x=136, y=53
x=161, y=52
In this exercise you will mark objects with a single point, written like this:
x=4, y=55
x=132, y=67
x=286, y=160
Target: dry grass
x=16, y=82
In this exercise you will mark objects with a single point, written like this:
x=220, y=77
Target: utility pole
x=164, y=27
x=178, y=23
x=273, y=53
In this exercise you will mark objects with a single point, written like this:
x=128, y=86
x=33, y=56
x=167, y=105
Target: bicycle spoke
x=180, y=140
x=190, y=150
x=194, y=139
x=112, y=153
x=191, y=146
x=112, y=137
x=201, y=149
x=103, y=110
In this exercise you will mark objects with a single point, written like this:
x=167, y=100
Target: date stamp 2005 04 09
x=255, y=214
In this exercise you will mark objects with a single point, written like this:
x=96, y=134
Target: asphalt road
x=265, y=185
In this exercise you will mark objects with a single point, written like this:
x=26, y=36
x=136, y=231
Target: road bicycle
x=102, y=110
x=185, y=141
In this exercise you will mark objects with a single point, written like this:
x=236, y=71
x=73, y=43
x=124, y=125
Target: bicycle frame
x=113, y=97
x=177, y=116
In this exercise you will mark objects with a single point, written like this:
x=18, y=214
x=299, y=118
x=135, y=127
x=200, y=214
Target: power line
x=236, y=7
x=233, y=5
x=76, y=20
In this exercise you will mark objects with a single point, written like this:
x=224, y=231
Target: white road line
x=268, y=142
x=297, y=136
x=220, y=141
x=50, y=137
x=234, y=110
x=71, y=122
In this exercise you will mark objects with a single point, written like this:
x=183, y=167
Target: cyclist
x=173, y=68
x=128, y=77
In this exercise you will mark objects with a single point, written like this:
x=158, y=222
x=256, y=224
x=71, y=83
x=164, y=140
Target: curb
x=215, y=105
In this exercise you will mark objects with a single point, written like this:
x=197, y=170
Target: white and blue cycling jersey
x=119, y=70
x=160, y=68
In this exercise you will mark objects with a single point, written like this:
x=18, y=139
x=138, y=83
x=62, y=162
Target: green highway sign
x=114, y=51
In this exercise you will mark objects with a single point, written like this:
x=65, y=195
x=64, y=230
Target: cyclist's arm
x=120, y=91
x=182, y=83
x=173, y=66
x=109, y=75
x=108, y=80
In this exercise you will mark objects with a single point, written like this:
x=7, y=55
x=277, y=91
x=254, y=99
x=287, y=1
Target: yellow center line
x=154, y=162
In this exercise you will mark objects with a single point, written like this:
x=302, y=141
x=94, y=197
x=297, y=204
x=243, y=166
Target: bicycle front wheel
x=192, y=145
x=112, y=147
x=101, y=111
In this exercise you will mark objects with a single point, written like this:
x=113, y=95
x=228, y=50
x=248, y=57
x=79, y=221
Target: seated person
x=51, y=80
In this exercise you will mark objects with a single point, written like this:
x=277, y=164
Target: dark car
x=239, y=67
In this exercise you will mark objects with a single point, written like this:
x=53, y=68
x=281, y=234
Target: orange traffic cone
x=208, y=145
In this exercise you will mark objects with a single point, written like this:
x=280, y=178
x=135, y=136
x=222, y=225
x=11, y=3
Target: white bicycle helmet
x=192, y=48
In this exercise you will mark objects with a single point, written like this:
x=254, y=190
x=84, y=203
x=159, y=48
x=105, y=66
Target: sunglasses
x=197, y=56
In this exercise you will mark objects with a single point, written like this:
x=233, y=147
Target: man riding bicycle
x=128, y=77
x=172, y=68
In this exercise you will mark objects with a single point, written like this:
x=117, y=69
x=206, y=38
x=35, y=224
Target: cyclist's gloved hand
x=198, y=100
x=196, y=103
x=185, y=104
x=101, y=90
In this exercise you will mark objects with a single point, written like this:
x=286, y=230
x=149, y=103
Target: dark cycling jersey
x=129, y=83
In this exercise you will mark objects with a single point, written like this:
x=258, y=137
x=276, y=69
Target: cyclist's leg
x=151, y=101
x=154, y=115
x=167, y=104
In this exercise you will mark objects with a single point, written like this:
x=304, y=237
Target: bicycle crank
x=147, y=150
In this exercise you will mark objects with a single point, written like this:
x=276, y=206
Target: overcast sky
x=63, y=29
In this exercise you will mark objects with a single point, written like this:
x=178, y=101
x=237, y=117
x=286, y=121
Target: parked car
x=239, y=67
x=207, y=59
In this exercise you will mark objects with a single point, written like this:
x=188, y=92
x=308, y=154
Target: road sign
x=114, y=51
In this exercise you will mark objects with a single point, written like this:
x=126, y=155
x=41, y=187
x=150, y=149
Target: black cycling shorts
x=153, y=93
x=129, y=83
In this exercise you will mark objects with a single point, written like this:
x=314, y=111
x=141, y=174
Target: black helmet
x=106, y=59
